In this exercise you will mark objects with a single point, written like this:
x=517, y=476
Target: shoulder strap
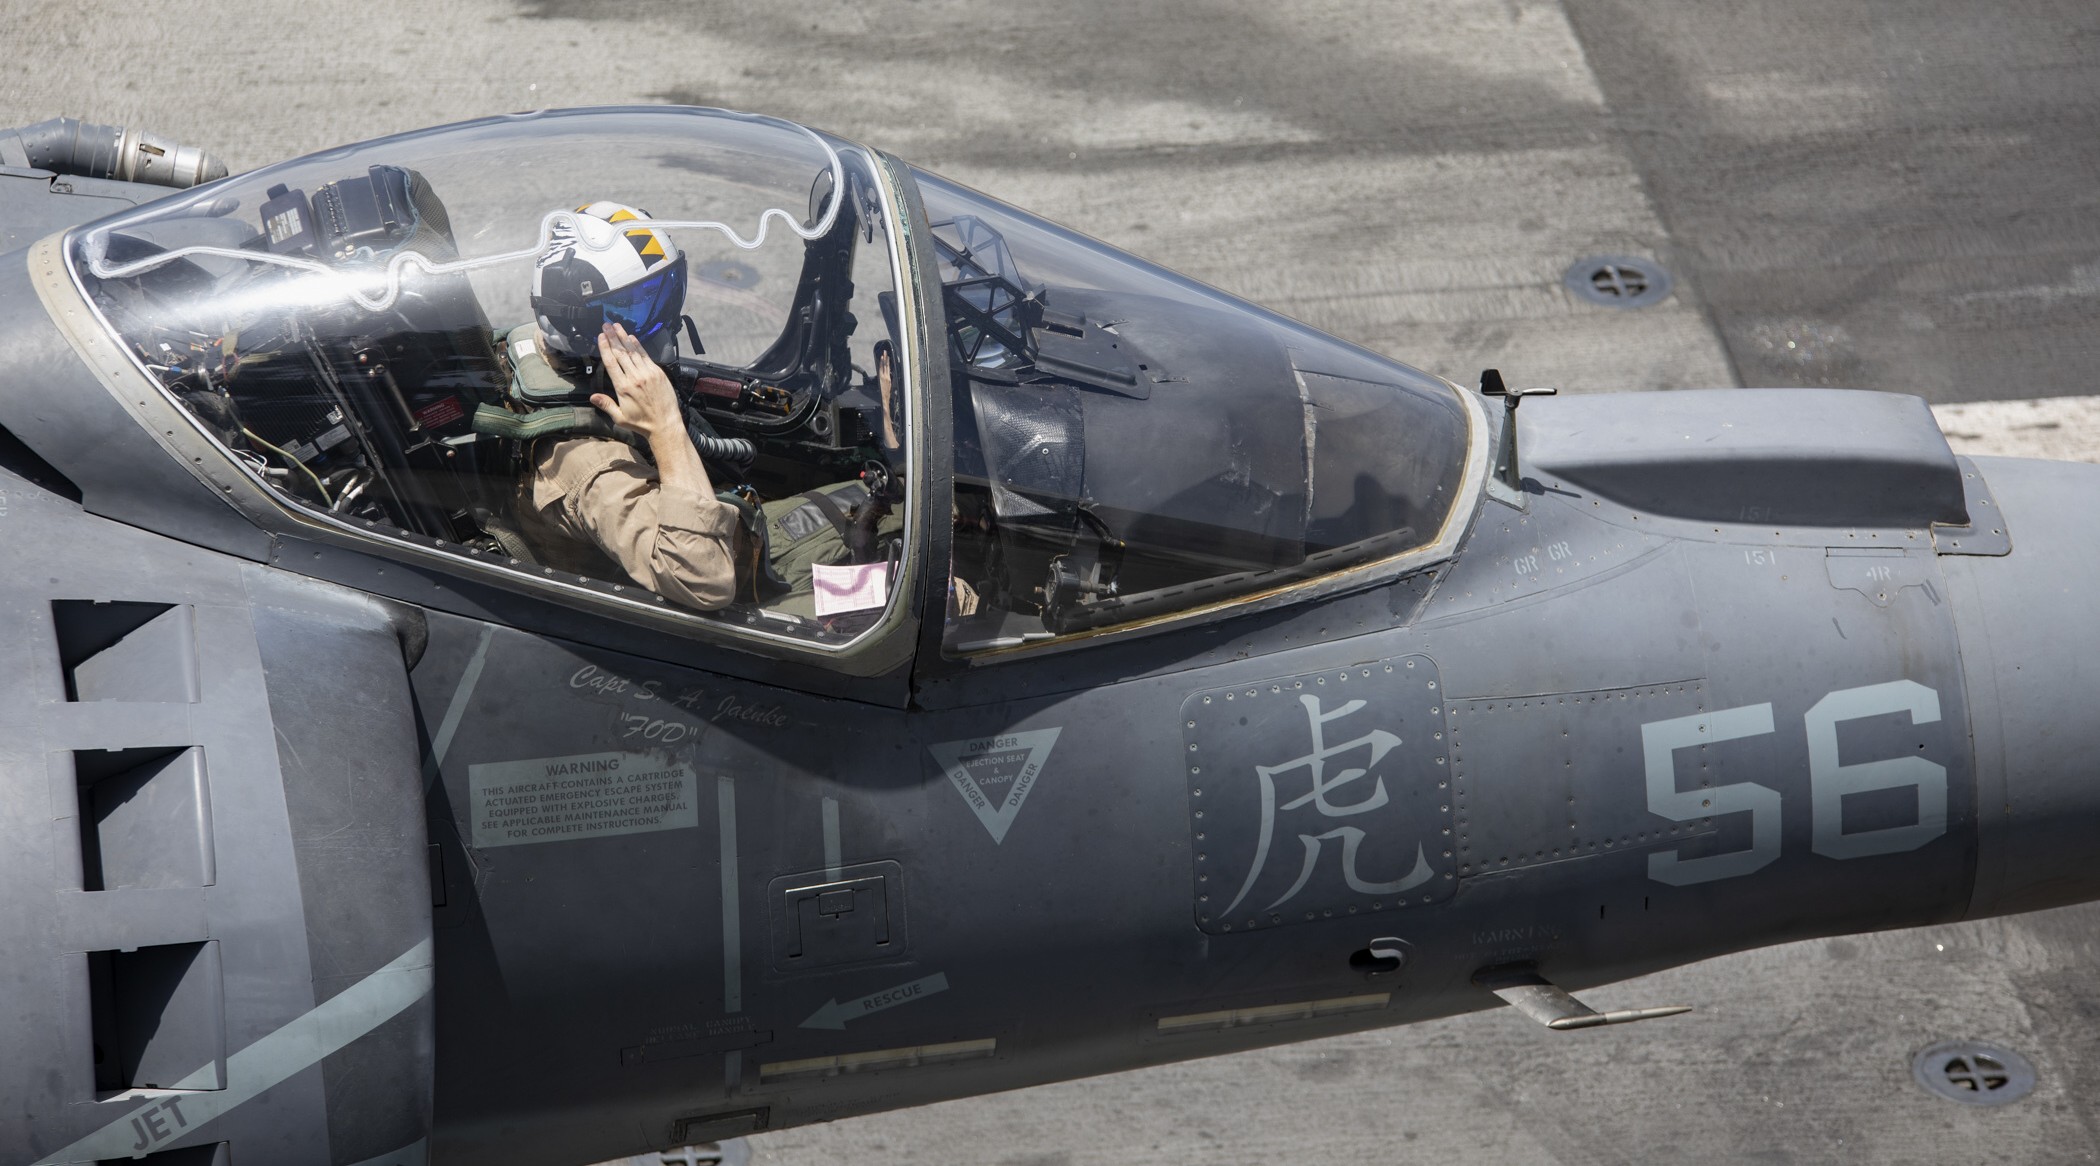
x=495, y=421
x=830, y=509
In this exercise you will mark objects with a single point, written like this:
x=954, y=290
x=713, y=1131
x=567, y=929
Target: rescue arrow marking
x=835, y=1014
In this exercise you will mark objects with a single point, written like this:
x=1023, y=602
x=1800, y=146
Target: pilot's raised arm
x=886, y=392
x=664, y=526
x=608, y=291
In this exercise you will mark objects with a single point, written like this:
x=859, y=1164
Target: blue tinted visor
x=650, y=306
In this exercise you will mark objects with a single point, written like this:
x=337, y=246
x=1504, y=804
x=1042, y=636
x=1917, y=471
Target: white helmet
x=603, y=265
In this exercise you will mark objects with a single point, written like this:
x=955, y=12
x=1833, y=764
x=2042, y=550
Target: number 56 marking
x=1829, y=781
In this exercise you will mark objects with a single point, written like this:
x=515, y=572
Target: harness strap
x=495, y=421
x=830, y=509
x=756, y=580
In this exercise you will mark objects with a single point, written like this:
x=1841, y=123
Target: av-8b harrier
x=1014, y=662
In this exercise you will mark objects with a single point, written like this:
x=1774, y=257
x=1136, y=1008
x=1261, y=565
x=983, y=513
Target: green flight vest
x=812, y=528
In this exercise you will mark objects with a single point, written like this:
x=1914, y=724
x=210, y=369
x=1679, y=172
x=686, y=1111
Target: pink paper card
x=853, y=587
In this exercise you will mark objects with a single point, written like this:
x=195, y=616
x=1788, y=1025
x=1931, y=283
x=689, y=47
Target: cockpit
x=1131, y=445
x=352, y=331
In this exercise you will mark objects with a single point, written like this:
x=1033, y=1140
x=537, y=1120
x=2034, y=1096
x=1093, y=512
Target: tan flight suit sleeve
x=672, y=541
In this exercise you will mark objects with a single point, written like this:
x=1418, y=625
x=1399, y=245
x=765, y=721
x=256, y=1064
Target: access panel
x=1321, y=794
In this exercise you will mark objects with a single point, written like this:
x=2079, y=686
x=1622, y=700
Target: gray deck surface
x=1896, y=196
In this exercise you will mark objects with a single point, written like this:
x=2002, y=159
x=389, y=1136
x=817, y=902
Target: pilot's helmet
x=605, y=264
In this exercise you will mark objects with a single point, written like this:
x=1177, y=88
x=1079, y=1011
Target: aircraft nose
x=2029, y=625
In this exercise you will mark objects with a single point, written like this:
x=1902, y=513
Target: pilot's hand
x=642, y=399
x=884, y=389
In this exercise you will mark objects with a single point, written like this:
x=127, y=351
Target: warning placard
x=598, y=794
x=995, y=774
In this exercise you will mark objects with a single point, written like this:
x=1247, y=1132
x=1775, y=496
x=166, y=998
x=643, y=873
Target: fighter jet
x=1099, y=670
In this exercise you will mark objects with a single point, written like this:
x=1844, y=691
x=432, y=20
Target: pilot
x=605, y=308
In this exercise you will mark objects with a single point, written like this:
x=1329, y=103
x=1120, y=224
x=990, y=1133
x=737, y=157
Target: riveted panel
x=1543, y=779
x=1320, y=794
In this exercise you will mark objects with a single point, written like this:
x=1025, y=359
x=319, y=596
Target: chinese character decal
x=1319, y=794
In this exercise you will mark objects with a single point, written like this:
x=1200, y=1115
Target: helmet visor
x=649, y=306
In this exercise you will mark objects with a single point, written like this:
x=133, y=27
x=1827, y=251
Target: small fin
x=1551, y=1005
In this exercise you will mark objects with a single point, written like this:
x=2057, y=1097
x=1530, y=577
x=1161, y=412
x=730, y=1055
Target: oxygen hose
x=71, y=146
x=734, y=453
x=731, y=452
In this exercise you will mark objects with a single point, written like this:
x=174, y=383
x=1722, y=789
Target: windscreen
x=1132, y=444
x=410, y=337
